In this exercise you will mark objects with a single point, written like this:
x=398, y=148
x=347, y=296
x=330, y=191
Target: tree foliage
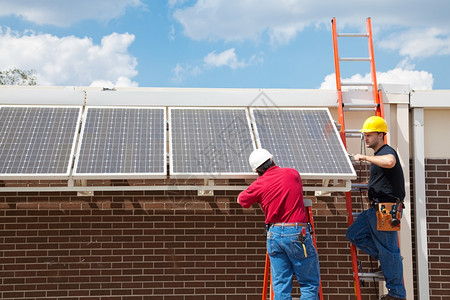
x=17, y=77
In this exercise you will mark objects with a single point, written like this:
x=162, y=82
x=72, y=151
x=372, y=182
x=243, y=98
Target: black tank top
x=386, y=185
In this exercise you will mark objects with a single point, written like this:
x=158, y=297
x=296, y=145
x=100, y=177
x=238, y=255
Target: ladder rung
x=360, y=104
x=353, y=35
x=360, y=185
x=356, y=83
x=355, y=59
x=353, y=131
x=353, y=135
x=359, y=108
x=375, y=276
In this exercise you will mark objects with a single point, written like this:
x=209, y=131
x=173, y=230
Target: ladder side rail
x=372, y=62
x=266, y=277
x=380, y=108
x=338, y=81
x=272, y=293
x=313, y=236
x=357, y=284
x=336, y=55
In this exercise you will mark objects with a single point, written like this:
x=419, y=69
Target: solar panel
x=210, y=142
x=122, y=142
x=304, y=139
x=37, y=141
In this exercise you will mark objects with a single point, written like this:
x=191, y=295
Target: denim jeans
x=382, y=245
x=287, y=257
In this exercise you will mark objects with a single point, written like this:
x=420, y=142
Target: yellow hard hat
x=374, y=124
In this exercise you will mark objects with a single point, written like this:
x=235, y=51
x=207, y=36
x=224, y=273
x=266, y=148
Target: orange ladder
x=375, y=104
x=308, y=206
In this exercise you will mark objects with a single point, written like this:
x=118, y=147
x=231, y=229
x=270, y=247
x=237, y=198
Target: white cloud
x=69, y=60
x=415, y=28
x=172, y=33
x=226, y=58
x=239, y=20
x=66, y=12
x=173, y=3
x=419, y=42
x=120, y=82
x=182, y=71
x=282, y=20
x=417, y=80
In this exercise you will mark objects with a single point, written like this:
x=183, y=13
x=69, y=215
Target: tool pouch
x=389, y=215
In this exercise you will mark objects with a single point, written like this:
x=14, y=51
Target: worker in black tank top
x=386, y=184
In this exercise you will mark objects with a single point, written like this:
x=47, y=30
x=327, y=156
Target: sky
x=267, y=44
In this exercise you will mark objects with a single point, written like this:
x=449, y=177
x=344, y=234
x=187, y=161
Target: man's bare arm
x=385, y=161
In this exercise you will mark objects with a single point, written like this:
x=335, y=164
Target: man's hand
x=385, y=161
x=360, y=157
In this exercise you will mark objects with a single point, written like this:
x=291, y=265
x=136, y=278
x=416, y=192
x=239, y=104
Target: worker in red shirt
x=279, y=191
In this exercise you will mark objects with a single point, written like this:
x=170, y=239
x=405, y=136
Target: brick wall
x=438, y=218
x=150, y=245
x=176, y=245
x=135, y=245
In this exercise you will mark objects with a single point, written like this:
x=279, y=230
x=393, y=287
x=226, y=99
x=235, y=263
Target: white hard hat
x=258, y=157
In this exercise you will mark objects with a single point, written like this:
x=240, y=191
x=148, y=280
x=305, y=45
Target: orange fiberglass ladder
x=376, y=106
x=308, y=207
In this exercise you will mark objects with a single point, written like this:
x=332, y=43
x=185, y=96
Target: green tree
x=17, y=77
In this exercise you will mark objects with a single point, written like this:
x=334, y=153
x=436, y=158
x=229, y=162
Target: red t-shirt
x=279, y=191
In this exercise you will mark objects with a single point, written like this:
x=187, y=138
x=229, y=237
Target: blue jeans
x=287, y=257
x=382, y=245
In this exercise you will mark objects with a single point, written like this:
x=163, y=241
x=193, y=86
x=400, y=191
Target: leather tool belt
x=389, y=215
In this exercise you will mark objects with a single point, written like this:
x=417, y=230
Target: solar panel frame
x=341, y=153
x=67, y=145
x=78, y=173
x=213, y=147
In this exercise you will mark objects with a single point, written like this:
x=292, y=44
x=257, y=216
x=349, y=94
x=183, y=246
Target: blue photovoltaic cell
x=123, y=142
x=304, y=139
x=210, y=141
x=37, y=140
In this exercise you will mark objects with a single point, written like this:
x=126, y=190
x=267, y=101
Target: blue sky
x=223, y=43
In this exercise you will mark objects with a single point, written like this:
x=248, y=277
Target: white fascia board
x=395, y=88
x=38, y=95
x=212, y=97
x=395, y=93
x=430, y=99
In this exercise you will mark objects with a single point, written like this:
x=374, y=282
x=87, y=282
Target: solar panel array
x=130, y=142
x=37, y=141
x=210, y=142
x=122, y=142
x=304, y=139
